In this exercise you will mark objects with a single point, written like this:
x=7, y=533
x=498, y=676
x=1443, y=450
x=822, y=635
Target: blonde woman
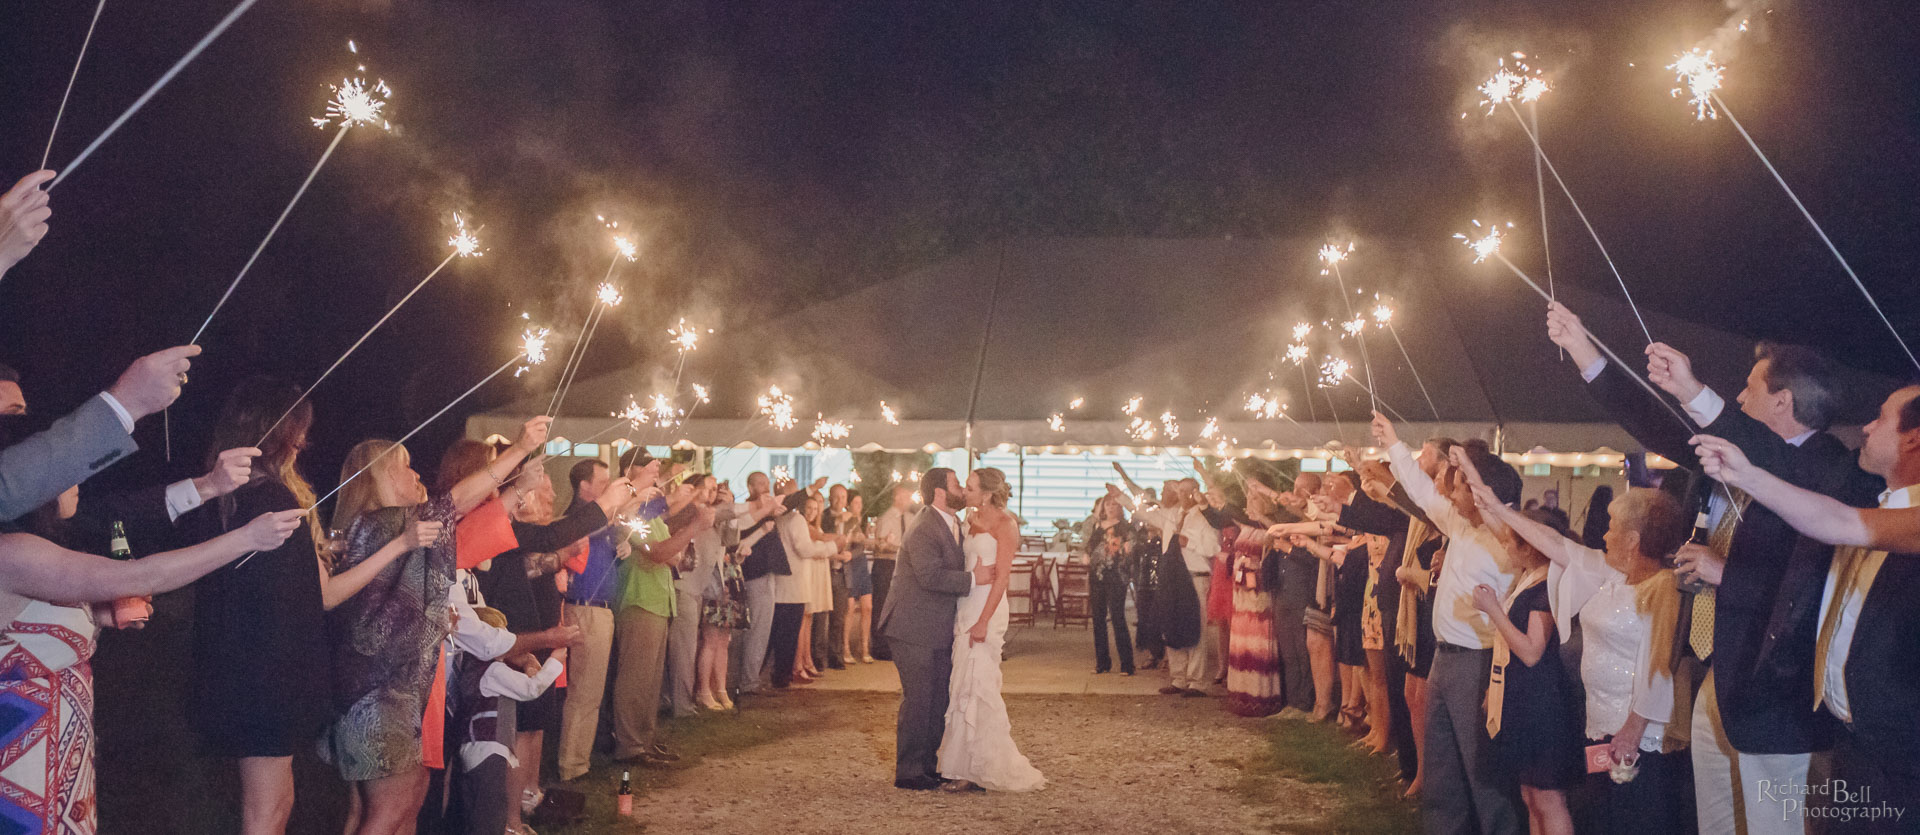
x=977, y=749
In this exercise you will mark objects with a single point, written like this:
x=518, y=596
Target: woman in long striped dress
x=1253, y=657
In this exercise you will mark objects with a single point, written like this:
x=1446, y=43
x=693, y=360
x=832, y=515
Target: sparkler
x=605, y=296
x=1383, y=317
x=464, y=244
x=1057, y=422
x=1141, y=429
x=1356, y=327
x=700, y=395
x=172, y=71
x=1521, y=86
x=828, y=431
x=355, y=103
x=1332, y=371
x=1300, y=331
x=685, y=336
x=1076, y=404
x=777, y=406
x=1210, y=429
x=888, y=414
x=1702, y=77
x=1170, y=424
x=1133, y=405
x=1332, y=255
x=77, y=61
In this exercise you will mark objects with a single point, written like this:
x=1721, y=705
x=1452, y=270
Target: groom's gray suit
x=929, y=579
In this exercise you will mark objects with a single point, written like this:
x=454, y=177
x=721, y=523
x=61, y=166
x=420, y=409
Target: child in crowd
x=484, y=715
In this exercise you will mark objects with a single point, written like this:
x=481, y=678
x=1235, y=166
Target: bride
x=977, y=751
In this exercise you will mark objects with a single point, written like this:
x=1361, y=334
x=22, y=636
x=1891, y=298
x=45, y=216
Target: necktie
x=1503, y=654
x=1856, y=568
x=1700, y=634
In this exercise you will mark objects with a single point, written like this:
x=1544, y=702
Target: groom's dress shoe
x=919, y=784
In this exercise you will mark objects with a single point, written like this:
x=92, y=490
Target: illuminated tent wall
x=1187, y=324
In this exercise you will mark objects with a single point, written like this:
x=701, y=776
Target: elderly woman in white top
x=1628, y=602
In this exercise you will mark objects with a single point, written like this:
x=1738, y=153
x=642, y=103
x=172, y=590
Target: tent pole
x=986, y=337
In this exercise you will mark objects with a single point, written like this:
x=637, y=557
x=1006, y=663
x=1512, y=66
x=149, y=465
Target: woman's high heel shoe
x=705, y=700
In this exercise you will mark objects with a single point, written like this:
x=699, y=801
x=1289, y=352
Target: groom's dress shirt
x=953, y=523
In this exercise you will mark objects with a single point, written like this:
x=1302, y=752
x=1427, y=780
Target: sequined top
x=1617, y=644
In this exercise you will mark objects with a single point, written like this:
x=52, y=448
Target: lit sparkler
x=1133, y=405
x=828, y=431
x=1300, y=331
x=1076, y=404
x=1297, y=353
x=660, y=407
x=1210, y=429
x=1057, y=422
x=1170, y=424
x=777, y=406
x=634, y=414
x=1141, y=429
x=1700, y=76
x=1355, y=327
x=533, y=345
x=463, y=242
x=608, y=294
x=1330, y=254
x=1383, y=314
x=625, y=247
x=888, y=414
x=356, y=102
x=684, y=336
x=1484, y=247
x=1333, y=370
x=700, y=394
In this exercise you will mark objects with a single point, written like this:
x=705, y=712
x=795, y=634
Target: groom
x=930, y=578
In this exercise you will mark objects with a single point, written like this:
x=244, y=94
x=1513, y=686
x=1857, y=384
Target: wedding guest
x=691, y=587
x=723, y=606
x=859, y=571
x=1627, y=602
x=491, y=694
x=791, y=591
x=758, y=569
x=1593, y=530
x=644, y=608
x=1531, y=716
x=258, y=625
x=1186, y=570
x=588, y=604
x=1462, y=787
x=388, y=645
x=835, y=520
x=1108, y=560
x=48, y=645
x=1253, y=660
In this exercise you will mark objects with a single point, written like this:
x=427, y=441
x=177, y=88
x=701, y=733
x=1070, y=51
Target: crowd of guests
x=1697, y=657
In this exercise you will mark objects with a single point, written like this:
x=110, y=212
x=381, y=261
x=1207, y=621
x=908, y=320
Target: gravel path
x=1115, y=764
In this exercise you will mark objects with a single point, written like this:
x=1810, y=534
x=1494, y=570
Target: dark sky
x=770, y=154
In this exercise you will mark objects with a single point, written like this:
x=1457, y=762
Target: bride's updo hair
x=995, y=483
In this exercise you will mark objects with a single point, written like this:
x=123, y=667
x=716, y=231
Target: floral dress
x=46, y=721
x=387, y=643
x=1253, y=654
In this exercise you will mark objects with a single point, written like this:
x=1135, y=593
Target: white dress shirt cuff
x=1705, y=407
x=119, y=411
x=1593, y=369
x=182, y=497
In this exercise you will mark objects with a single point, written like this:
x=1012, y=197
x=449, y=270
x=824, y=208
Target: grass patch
x=1364, y=788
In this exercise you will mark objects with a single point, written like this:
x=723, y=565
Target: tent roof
x=1189, y=325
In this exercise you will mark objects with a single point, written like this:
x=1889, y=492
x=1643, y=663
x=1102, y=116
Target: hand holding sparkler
x=1672, y=371
x=1565, y=330
x=1383, y=431
x=153, y=382
x=23, y=219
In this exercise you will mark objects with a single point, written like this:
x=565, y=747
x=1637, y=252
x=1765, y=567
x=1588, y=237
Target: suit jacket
x=929, y=579
x=38, y=469
x=1768, y=602
x=1883, y=665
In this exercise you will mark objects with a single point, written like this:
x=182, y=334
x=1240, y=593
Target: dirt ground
x=1114, y=764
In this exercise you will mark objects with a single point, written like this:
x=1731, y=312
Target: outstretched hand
x=1672, y=371
x=268, y=530
x=1723, y=461
x=23, y=218
x=1383, y=432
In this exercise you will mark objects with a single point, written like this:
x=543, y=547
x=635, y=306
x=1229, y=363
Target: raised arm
x=1816, y=516
x=1127, y=480
x=35, y=568
x=1407, y=472
x=336, y=589
x=474, y=489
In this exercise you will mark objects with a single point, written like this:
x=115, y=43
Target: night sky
x=771, y=155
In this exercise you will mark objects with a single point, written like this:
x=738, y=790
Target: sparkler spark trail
x=1057, y=422
x=1170, y=424
x=1700, y=76
x=608, y=295
x=1141, y=429
x=1297, y=353
x=625, y=247
x=826, y=432
x=888, y=414
x=686, y=336
x=700, y=394
x=1133, y=405
x=356, y=102
x=464, y=245
x=1356, y=327
x=1076, y=404
x=1300, y=331
x=1332, y=371
x=77, y=61
x=172, y=71
x=777, y=406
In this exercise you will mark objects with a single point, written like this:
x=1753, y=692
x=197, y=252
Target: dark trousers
x=924, y=675
x=784, y=646
x=1290, y=638
x=882, y=582
x=1401, y=733
x=1466, y=788
x=837, y=620
x=483, y=797
x=1146, y=629
x=1657, y=801
x=1110, y=602
x=822, y=625
x=1886, y=773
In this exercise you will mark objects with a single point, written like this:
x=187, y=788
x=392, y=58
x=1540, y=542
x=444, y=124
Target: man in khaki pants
x=588, y=606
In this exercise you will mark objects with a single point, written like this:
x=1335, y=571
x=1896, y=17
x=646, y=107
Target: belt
x=1443, y=646
x=597, y=604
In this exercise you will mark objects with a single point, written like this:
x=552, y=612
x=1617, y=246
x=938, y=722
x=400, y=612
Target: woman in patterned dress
x=387, y=640
x=46, y=683
x=1253, y=654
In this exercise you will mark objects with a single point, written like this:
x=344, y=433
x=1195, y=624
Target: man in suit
x=1752, y=725
x=930, y=578
x=100, y=432
x=1866, y=670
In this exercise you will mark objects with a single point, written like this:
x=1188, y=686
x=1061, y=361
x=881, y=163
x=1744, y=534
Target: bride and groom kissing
x=946, y=620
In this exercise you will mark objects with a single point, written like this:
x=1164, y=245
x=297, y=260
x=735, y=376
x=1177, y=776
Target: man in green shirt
x=642, y=612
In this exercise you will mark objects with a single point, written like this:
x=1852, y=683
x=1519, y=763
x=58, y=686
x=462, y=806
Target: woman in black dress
x=1537, y=735
x=258, y=622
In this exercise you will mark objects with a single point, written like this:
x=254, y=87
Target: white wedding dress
x=978, y=744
